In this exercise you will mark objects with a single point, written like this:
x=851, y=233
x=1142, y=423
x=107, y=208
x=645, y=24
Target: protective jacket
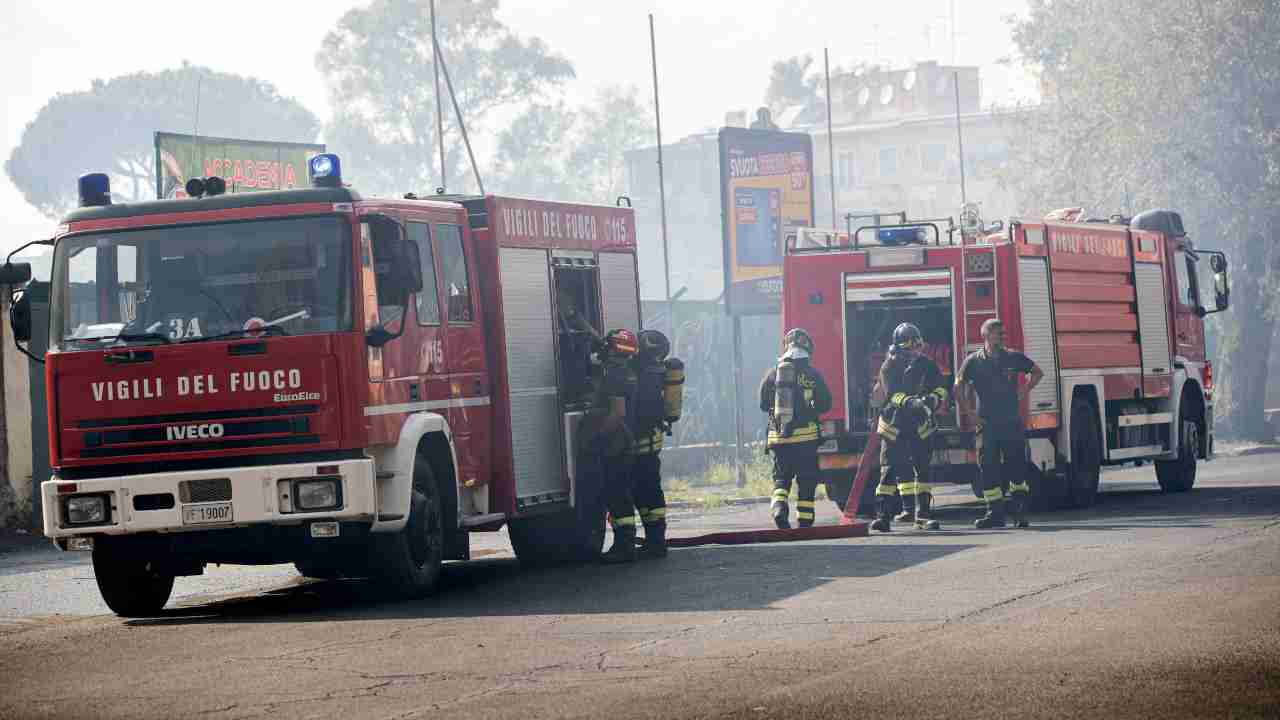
x=906, y=377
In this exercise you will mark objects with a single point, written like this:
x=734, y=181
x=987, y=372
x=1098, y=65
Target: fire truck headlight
x=86, y=510
x=326, y=170
x=319, y=494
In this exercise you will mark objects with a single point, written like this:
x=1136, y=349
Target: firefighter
x=607, y=439
x=655, y=409
x=914, y=390
x=993, y=373
x=795, y=396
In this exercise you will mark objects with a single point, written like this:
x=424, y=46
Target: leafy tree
x=553, y=152
x=109, y=128
x=379, y=66
x=616, y=122
x=1168, y=103
x=793, y=81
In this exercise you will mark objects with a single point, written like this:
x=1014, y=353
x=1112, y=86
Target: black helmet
x=654, y=345
x=907, y=336
x=798, y=337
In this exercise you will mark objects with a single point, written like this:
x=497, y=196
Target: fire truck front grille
x=198, y=491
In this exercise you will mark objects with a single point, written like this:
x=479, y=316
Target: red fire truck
x=352, y=385
x=1112, y=311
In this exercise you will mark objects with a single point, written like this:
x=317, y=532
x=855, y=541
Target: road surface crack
x=1017, y=598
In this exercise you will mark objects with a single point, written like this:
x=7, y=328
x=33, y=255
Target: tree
x=378, y=63
x=1168, y=103
x=616, y=122
x=555, y=153
x=109, y=128
x=793, y=81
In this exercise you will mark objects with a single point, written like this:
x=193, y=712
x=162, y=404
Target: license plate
x=206, y=513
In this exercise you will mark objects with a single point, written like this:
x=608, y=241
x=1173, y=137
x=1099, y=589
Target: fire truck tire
x=408, y=562
x=1179, y=475
x=129, y=585
x=1086, y=455
x=556, y=539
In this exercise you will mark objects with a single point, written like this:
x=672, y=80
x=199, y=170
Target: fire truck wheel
x=1086, y=455
x=409, y=561
x=1180, y=475
x=556, y=539
x=130, y=586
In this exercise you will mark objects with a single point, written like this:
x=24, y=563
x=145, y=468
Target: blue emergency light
x=326, y=170
x=95, y=190
x=902, y=235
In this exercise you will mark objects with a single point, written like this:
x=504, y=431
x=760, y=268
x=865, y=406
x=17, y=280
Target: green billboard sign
x=245, y=165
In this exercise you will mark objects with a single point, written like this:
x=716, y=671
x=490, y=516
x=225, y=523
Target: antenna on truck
x=441, y=67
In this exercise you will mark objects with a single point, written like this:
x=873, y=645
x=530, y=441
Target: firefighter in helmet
x=795, y=396
x=606, y=438
x=994, y=374
x=914, y=391
x=659, y=395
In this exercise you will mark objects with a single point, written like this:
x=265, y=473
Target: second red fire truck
x=1112, y=311
x=352, y=385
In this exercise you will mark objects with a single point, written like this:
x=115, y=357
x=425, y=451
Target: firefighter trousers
x=798, y=462
x=619, y=498
x=1002, y=458
x=646, y=489
x=904, y=470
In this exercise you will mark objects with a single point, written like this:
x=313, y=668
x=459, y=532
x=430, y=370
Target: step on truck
x=1112, y=311
x=307, y=376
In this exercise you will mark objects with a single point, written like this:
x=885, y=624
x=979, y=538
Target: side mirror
x=1221, y=290
x=412, y=266
x=20, y=315
x=379, y=336
x=1218, y=263
x=15, y=273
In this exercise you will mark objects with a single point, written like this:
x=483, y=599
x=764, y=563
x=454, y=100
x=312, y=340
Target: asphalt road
x=1145, y=606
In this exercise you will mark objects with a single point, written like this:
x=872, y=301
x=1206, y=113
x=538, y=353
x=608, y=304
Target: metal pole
x=435, y=66
x=964, y=198
x=662, y=186
x=953, y=32
x=831, y=140
x=738, y=468
x=466, y=140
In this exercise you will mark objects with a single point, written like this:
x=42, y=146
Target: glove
x=915, y=403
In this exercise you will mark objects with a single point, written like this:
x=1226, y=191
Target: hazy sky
x=713, y=55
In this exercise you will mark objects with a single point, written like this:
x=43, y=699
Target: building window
x=932, y=157
x=888, y=162
x=844, y=170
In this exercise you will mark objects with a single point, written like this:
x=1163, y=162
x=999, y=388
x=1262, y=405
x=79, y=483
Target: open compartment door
x=536, y=421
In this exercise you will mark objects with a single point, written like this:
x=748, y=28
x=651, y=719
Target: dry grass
x=718, y=484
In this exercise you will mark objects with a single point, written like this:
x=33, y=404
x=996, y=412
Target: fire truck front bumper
x=318, y=494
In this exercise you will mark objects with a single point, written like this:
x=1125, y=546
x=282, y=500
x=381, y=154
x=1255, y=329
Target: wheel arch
x=1081, y=390
x=424, y=434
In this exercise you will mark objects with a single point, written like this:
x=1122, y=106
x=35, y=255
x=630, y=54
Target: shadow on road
x=706, y=579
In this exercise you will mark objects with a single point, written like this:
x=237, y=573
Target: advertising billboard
x=766, y=193
x=246, y=165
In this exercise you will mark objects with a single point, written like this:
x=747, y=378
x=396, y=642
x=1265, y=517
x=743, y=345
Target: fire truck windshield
x=187, y=282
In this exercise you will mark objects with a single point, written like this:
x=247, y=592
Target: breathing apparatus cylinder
x=673, y=389
x=784, y=397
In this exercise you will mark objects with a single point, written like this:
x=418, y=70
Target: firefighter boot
x=1018, y=509
x=908, y=509
x=655, y=540
x=780, y=510
x=623, y=549
x=882, y=523
x=993, y=519
x=923, y=520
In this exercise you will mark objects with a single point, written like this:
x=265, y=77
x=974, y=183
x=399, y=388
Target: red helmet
x=622, y=343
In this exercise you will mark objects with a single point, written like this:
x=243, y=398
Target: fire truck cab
x=1111, y=311
x=309, y=376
